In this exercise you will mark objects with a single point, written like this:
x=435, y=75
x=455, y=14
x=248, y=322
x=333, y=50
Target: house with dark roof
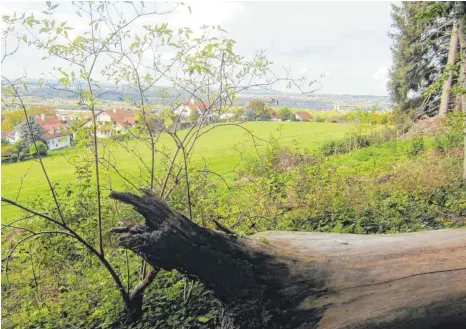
x=303, y=116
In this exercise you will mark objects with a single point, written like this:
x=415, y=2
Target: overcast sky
x=345, y=41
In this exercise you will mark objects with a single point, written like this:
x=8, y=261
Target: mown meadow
x=221, y=149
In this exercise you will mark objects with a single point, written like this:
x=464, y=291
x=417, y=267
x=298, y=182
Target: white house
x=57, y=140
x=183, y=110
x=111, y=121
x=54, y=131
x=227, y=116
x=9, y=136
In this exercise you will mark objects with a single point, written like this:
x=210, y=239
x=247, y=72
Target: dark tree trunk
x=311, y=280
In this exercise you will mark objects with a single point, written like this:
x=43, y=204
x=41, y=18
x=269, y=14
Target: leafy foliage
x=259, y=108
x=41, y=148
x=29, y=133
x=15, y=117
x=420, y=50
x=285, y=113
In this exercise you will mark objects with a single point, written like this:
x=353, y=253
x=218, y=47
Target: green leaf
x=203, y=319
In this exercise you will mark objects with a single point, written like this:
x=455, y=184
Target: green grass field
x=220, y=149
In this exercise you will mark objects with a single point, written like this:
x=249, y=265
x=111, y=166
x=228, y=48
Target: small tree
x=17, y=147
x=285, y=113
x=249, y=114
x=41, y=148
x=259, y=108
x=238, y=113
x=193, y=116
x=30, y=134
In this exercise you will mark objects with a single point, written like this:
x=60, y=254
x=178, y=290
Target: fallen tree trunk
x=310, y=280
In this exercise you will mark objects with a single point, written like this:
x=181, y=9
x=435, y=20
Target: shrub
x=7, y=150
x=285, y=114
x=9, y=159
x=23, y=155
x=249, y=114
x=416, y=147
x=41, y=148
x=122, y=137
x=193, y=115
x=453, y=137
x=356, y=141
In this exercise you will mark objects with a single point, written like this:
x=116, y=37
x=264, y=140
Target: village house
x=112, y=121
x=57, y=139
x=303, y=116
x=273, y=115
x=9, y=136
x=55, y=132
x=227, y=116
x=183, y=110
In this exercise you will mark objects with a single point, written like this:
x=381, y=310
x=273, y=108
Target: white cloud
x=205, y=13
x=381, y=73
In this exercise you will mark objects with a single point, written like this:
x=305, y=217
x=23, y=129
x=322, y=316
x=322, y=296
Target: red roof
x=303, y=115
x=55, y=134
x=122, y=117
x=273, y=114
x=197, y=105
x=7, y=133
x=50, y=123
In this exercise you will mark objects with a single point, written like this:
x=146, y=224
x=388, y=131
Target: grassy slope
x=217, y=149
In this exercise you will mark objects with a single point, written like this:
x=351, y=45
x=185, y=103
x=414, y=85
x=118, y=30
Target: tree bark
x=310, y=280
x=445, y=98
